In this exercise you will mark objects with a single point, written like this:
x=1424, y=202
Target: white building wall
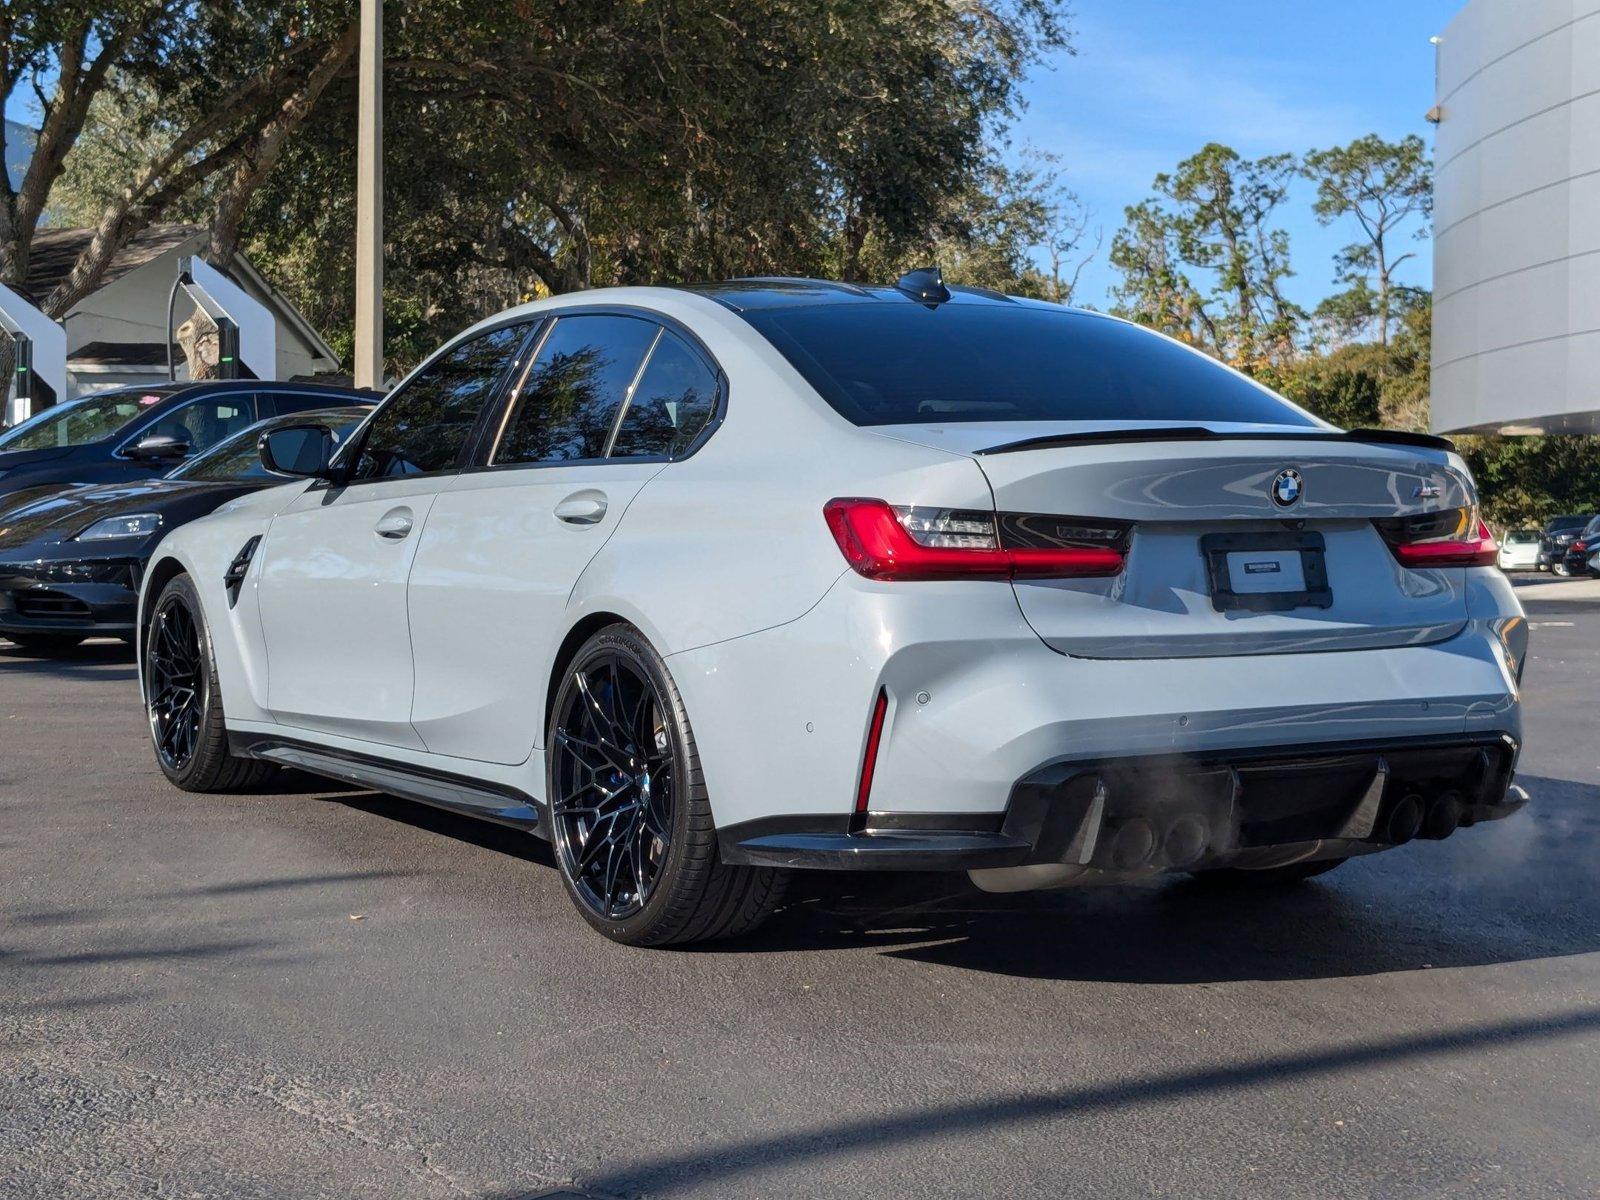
x=1517, y=218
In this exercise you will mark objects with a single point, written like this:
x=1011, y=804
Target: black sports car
x=71, y=560
x=1581, y=551
x=132, y=435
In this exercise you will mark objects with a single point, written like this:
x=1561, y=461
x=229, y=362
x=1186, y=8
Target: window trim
x=663, y=322
x=349, y=454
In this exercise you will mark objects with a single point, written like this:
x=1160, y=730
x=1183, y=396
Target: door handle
x=394, y=524
x=582, y=508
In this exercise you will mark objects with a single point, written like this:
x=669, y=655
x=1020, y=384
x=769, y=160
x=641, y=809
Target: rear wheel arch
x=581, y=632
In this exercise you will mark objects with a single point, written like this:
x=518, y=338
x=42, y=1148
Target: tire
x=1270, y=878
x=45, y=643
x=1560, y=569
x=621, y=771
x=184, y=701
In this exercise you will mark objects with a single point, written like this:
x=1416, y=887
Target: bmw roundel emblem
x=1287, y=488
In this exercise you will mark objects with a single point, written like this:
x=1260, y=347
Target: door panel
x=488, y=598
x=333, y=609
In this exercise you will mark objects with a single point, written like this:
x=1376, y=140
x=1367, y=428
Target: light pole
x=369, y=201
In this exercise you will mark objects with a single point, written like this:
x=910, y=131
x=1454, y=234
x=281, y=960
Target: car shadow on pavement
x=1178, y=930
x=691, y=1170
x=517, y=843
x=100, y=660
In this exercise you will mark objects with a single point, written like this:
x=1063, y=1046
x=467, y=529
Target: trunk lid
x=1214, y=563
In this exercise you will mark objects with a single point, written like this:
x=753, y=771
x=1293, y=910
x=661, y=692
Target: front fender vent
x=233, y=578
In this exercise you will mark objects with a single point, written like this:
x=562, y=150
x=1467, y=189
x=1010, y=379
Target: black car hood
x=58, y=516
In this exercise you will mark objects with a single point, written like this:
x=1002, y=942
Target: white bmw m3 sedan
x=710, y=584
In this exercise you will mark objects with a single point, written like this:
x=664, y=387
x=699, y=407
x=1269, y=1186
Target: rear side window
x=899, y=363
x=675, y=398
x=424, y=426
x=583, y=373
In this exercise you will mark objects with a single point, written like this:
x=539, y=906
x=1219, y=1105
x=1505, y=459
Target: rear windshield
x=906, y=364
x=84, y=421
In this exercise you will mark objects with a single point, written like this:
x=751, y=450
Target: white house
x=117, y=335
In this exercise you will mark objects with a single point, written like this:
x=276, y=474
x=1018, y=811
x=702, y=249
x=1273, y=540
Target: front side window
x=240, y=457
x=423, y=428
x=578, y=383
x=204, y=423
x=675, y=398
x=82, y=422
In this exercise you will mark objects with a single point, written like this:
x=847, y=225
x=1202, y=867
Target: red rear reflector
x=875, y=542
x=869, y=760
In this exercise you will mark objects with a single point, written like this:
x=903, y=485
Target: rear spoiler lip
x=1198, y=433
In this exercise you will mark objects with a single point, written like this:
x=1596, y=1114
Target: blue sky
x=1154, y=80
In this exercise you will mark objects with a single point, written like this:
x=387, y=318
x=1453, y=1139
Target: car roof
x=782, y=291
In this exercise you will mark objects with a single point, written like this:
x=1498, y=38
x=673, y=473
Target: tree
x=227, y=85
x=1212, y=219
x=1384, y=186
x=544, y=147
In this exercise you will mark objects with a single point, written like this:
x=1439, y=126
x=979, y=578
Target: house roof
x=55, y=250
x=125, y=354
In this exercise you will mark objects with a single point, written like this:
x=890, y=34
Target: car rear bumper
x=93, y=598
x=1126, y=817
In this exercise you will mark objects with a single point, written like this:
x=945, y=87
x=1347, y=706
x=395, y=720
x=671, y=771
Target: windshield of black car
x=239, y=458
x=92, y=419
x=893, y=363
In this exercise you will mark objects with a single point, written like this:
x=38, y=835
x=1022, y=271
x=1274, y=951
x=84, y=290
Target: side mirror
x=298, y=451
x=159, y=448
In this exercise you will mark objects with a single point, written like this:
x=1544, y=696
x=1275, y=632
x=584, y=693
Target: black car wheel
x=629, y=819
x=183, y=701
x=1559, y=567
x=45, y=643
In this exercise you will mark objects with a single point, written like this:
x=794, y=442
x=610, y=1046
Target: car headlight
x=135, y=525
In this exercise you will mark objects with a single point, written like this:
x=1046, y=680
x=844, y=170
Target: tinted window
x=283, y=403
x=671, y=405
x=901, y=363
x=575, y=389
x=83, y=421
x=204, y=423
x=425, y=425
x=239, y=458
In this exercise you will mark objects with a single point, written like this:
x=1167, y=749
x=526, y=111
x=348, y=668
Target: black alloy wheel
x=612, y=801
x=633, y=832
x=183, y=698
x=177, y=682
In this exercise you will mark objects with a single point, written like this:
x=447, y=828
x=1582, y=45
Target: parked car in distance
x=71, y=561
x=1559, y=533
x=1581, y=550
x=711, y=584
x=137, y=434
x=1519, y=550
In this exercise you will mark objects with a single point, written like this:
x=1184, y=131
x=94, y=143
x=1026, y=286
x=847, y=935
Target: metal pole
x=369, y=201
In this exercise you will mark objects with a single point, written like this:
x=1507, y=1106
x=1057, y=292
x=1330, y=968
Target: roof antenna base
x=924, y=285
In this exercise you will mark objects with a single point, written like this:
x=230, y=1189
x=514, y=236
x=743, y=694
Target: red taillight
x=877, y=540
x=1453, y=538
x=1580, y=547
x=869, y=760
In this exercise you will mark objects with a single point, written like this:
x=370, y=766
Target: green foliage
x=1212, y=221
x=1381, y=186
x=1527, y=480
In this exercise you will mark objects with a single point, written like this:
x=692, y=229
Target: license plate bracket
x=1297, y=559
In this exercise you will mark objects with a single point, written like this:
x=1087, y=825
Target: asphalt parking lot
x=319, y=993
